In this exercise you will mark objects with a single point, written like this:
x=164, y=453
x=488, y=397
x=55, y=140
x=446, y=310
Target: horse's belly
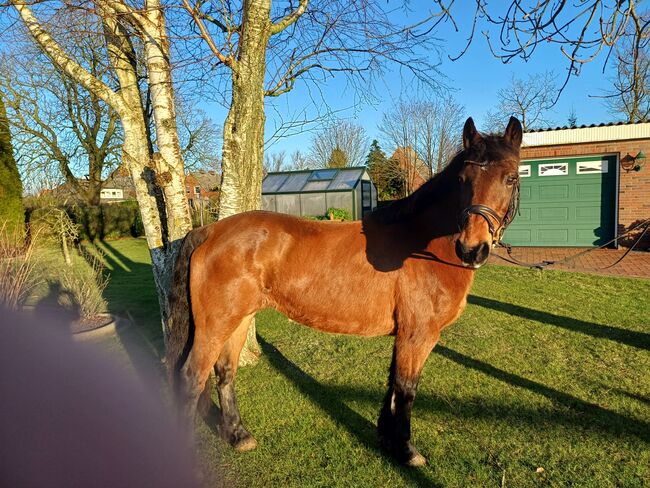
x=346, y=316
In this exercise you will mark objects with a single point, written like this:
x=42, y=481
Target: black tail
x=179, y=340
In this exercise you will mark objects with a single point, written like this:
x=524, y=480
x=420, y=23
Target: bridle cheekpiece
x=489, y=214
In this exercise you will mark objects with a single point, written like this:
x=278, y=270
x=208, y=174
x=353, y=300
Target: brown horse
x=405, y=270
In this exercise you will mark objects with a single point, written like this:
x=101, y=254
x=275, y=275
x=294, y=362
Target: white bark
x=159, y=182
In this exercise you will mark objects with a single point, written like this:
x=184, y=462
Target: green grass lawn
x=544, y=381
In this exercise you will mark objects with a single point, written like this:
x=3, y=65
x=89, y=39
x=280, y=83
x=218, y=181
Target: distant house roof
x=614, y=131
x=329, y=179
x=208, y=180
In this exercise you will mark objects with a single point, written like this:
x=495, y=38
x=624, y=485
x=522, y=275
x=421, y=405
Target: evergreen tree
x=12, y=212
x=385, y=173
x=338, y=159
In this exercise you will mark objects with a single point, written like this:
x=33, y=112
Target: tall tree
x=54, y=119
x=338, y=158
x=630, y=93
x=12, y=212
x=268, y=48
x=386, y=173
x=341, y=142
x=424, y=134
x=529, y=100
x=159, y=177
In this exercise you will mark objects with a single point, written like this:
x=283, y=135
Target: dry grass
x=86, y=285
x=18, y=265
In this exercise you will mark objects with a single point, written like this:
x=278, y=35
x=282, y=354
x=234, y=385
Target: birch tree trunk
x=158, y=179
x=243, y=134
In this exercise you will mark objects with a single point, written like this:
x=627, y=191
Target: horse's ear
x=470, y=135
x=513, y=133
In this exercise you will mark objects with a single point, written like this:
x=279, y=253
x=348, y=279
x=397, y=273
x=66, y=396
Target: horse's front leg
x=409, y=355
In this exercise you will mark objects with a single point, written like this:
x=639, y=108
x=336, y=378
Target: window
x=322, y=174
x=524, y=170
x=187, y=189
x=591, y=167
x=554, y=169
x=197, y=189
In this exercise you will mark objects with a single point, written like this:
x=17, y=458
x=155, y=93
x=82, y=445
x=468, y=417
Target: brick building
x=582, y=186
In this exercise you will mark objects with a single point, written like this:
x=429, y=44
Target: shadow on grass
x=131, y=294
x=632, y=338
x=327, y=399
x=591, y=415
x=578, y=414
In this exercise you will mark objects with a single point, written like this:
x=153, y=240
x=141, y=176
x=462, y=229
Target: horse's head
x=489, y=190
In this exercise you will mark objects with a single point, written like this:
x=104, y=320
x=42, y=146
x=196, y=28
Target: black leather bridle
x=497, y=225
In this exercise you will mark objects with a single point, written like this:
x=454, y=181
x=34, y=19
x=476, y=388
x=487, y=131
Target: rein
x=489, y=214
x=645, y=225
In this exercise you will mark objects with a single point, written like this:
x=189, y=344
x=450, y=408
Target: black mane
x=438, y=187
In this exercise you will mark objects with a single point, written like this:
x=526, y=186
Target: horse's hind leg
x=232, y=429
x=409, y=355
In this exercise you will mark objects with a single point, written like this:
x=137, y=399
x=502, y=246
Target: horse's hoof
x=248, y=443
x=416, y=461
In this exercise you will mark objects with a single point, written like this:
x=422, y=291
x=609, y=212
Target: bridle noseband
x=489, y=214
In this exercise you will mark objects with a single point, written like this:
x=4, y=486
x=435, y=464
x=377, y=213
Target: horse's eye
x=512, y=179
x=461, y=179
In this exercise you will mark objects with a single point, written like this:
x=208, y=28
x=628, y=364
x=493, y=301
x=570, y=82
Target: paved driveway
x=636, y=263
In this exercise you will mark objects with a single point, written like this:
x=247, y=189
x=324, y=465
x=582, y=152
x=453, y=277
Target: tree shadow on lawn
x=588, y=415
x=578, y=413
x=326, y=399
x=131, y=294
x=632, y=338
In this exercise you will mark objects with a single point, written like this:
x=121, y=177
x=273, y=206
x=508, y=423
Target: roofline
x=583, y=135
x=311, y=170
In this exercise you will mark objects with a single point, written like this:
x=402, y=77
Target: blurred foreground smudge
x=69, y=416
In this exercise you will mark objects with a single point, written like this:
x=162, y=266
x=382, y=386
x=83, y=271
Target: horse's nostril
x=476, y=255
x=482, y=253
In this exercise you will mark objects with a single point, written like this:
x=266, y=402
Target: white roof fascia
x=587, y=134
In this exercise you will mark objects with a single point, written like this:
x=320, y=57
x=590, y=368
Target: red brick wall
x=634, y=187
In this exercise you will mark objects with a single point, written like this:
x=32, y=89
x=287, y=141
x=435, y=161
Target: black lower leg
x=394, y=423
x=232, y=429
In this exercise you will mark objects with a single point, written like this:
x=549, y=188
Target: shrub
x=86, y=285
x=12, y=212
x=338, y=214
x=18, y=268
x=108, y=220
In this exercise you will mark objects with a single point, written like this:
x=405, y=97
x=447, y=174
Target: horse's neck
x=438, y=225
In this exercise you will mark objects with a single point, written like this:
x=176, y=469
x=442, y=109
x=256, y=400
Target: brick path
x=636, y=263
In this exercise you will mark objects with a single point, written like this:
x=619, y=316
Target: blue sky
x=476, y=77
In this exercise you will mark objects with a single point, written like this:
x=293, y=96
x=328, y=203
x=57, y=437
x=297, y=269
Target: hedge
x=104, y=221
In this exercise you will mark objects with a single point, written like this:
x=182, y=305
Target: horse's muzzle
x=473, y=257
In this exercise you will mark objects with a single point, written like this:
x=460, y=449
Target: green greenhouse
x=312, y=192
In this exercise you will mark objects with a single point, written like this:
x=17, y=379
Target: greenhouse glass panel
x=294, y=182
x=340, y=200
x=316, y=186
x=322, y=174
x=272, y=183
x=288, y=204
x=268, y=202
x=313, y=204
x=346, y=179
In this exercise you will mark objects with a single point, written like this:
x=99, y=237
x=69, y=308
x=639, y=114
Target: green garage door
x=565, y=202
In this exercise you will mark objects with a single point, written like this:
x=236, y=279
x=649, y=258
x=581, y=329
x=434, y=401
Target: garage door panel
x=520, y=235
x=524, y=214
x=553, y=214
x=553, y=192
x=589, y=191
x=548, y=236
x=569, y=209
